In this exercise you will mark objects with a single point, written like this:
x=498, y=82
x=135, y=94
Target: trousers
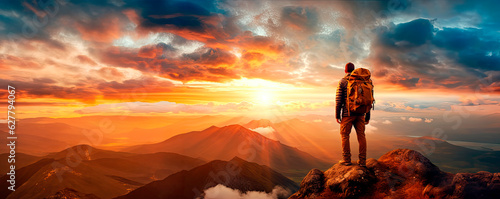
x=345, y=129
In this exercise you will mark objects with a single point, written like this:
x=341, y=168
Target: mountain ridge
x=235, y=174
x=224, y=143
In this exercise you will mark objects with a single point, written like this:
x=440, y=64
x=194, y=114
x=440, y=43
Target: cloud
x=386, y=122
x=370, y=129
x=449, y=48
x=394, y=106
x=146, y=84
x=44, y=88
x=267, y=131
x=414, y=119
x=204, y=64
x=477, y=100
x=223, y=192
x=420, y=54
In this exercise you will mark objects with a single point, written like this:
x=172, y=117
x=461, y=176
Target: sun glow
x=264, y=97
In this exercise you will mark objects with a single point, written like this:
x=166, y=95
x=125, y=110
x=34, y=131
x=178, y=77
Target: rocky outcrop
x=401, y=173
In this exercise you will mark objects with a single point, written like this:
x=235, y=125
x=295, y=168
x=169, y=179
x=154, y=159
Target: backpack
x=360, y=91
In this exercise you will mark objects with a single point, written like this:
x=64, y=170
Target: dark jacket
x=340, y=99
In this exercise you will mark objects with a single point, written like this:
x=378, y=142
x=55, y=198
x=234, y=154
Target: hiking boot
x=345, y=163
x=362, y=163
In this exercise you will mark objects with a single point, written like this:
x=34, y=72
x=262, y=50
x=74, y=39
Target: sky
x=76, y=58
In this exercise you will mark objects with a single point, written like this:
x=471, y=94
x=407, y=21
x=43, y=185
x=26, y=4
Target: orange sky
x=233, y=59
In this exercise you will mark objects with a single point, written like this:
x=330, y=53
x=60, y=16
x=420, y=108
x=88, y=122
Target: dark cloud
x=416, y=52
x=300, y=18
x=440, y=45
x=44, y=88
x=413, y=33
x=146, y=84
x=44, y=81
x=212, y=57
x=205, y=64
x=86, y=60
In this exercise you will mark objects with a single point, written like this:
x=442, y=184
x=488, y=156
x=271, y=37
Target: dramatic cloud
x=96, y=50
x=223, y=192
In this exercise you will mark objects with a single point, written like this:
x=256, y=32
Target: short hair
x=349, y=67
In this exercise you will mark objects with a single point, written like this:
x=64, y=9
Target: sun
x=264, y=97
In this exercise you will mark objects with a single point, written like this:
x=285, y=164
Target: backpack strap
x=347, y=95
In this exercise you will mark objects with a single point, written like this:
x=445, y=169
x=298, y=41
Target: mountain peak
x=430, y=138
x=233, y=127
x=237, y=159
x=401, y=173
x=258, y=123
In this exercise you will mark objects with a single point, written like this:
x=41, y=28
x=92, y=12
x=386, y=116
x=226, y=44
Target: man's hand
x=366, y=122
x=339, y=120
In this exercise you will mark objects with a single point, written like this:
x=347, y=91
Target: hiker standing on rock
x=353, y=101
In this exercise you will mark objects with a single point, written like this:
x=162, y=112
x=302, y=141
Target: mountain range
x=236, y=174
x=86, y=169
x=224, y=143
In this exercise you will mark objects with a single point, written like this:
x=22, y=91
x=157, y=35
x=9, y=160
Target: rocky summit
x=401, y=173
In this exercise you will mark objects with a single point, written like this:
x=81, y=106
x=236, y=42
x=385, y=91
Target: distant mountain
x=235, y=174
x=258, y=123
x=318, y=138
x=22, y=176
x=174, y=126
x=235, y=140
x=21, y=161
x=452, y=158
x=68, y=193
x=401, y=173
x=34, y=144
x=89, y=170
x=87, y=152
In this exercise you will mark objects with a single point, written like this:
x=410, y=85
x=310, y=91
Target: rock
x=351, y=181
x=313, y=182
x=401, y=173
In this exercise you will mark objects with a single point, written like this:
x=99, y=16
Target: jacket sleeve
x=340, y=97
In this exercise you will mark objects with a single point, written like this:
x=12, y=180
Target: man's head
x=349, y=67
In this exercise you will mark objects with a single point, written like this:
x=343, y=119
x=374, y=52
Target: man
x=347, y=119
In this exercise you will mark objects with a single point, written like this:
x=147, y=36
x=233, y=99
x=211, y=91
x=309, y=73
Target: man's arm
x=367, y=117
x=340, y=99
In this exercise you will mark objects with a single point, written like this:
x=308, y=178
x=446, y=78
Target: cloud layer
x=223, y=192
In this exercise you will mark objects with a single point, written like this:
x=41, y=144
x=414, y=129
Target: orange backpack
x=360, y=91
